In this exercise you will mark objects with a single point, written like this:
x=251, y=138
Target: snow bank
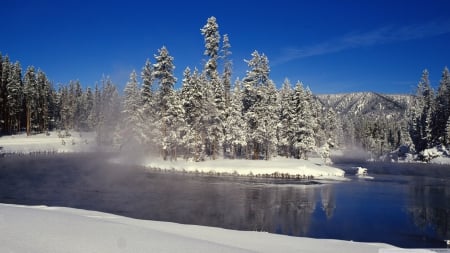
x=85, y=142
x=52, y=143
x=43, y=229
x=277, y=166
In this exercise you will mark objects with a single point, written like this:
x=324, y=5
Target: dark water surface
x=402, y=206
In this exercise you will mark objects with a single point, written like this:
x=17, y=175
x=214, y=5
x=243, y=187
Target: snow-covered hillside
x=366, y=103
x=52, y=229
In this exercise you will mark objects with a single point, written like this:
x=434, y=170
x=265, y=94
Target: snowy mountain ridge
x=366, y=103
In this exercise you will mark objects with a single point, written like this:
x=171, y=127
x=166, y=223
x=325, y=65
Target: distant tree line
x=210, y=115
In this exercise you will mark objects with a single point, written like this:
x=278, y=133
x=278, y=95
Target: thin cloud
x=383, y=35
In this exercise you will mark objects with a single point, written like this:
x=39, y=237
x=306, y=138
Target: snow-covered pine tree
x=147, y=83
x=94, y=113
x=132, y=112
x=257, y=85
x=442, y=110
x=195, y=115
x=236, y=127
x=15, y=98
x=227, y=68
x=447, y=132
x=88, y=104
x=303, y=122
x=211, y=35
x=163, y=73
x=214, y=89
x=44, y=89
x=30, y=94
x=284, y=127
x=5, y=72
x=420, y=125
x=110, y=108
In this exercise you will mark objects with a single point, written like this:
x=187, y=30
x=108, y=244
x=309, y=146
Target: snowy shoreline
x=42, y=229
x=85, y=142
x=276, y=168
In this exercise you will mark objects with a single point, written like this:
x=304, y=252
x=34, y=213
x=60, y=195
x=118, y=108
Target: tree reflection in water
x=429, y=205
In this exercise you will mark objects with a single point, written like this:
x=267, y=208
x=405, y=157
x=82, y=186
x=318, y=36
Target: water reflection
x=429, y=205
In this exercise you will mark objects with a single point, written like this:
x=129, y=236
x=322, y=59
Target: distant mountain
x=366, y=103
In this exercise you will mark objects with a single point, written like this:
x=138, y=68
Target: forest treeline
x=211, y=115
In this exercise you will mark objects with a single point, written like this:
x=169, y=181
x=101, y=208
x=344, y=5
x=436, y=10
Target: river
x=404, y=205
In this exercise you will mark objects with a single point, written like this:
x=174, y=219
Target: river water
x=402, y=205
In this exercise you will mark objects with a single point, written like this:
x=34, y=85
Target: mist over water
x=406, y=211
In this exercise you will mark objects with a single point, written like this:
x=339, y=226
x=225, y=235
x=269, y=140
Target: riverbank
x=77, y=142
x=54, y=229
x=277, y=167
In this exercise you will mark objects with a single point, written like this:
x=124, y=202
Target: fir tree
x=30, y=95
x=15, y=98
x=447, y=132
x=147, y=84
x=132, y=111
x=163, y=73
x=256, y=86
x=5, y=72
x=303, y=122
x=195, y=114
x=420, y=126
x=442, y=110
x=285, y=127
x=227, y=71
x=236, y=128
x=214, y=89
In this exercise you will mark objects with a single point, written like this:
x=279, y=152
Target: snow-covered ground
x=43, y=229
x=277, y=166
x=52, y=143
x=85, y=142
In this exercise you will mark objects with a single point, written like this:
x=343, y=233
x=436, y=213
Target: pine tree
x=212, y=39
x=214, y=89
x=284, y=127
x=227, y=72
x=15, y=98
x=163, y=73
x=5, y=72
x=30, y=94
x=147, y=84
x=195, y=114
x=303, y=121
x=110, y=108
x=236, y=130
x=447, y=132
x=94, y=112
x=43, y=91
x=256, y=86
x=420, y=125
x=132, y=111
x=442, y=110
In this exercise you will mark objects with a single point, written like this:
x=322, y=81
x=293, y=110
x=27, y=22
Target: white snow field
x=41, y=229
x=52, y=143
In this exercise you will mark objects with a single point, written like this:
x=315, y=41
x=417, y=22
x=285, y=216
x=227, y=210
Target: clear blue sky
x=332, y=46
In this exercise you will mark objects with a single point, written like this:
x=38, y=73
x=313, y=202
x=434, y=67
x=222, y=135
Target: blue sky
x=331, y=46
